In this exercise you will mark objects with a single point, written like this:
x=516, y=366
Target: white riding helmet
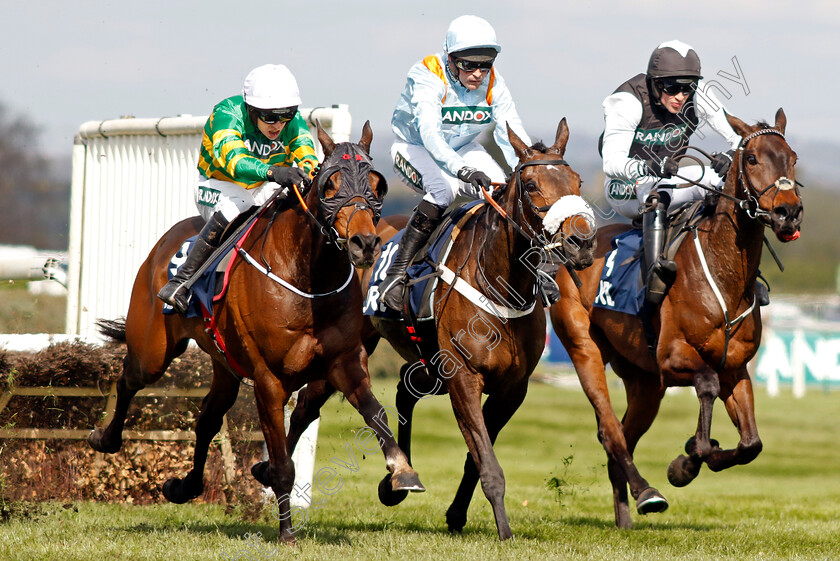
x=271, y=86
x=470, y=32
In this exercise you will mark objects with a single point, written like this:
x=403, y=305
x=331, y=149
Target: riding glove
x=477, y=179
x=664, y=168
x=721, y=162
x=286, y=176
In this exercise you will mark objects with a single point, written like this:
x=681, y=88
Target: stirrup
x=176, y=295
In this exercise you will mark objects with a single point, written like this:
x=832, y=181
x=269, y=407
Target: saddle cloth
x=422, y=274
x=622, y=284
x=621, y=287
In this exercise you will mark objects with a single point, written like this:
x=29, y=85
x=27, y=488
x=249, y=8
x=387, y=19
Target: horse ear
x=781, y=120
x=327, y=143
x=521, y=149
x=367, y=137
x=742, y=128
x=560, y=139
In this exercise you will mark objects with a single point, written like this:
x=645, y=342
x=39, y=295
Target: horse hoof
x=455, y=521
x=261, y=473
x=387, y=496
x=176, y=491
x=95, y=439
x=682, y=471
x=651, y=501
x=407, y=481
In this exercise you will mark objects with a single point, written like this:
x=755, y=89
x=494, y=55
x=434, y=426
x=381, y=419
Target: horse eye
x=531, y=187
x=751, y=159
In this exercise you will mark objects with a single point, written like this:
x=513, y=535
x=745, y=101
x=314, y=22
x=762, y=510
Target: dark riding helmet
x=674, y=61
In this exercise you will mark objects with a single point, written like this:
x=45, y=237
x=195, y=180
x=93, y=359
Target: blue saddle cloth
x=419, y=291
x=204, y=288
x=621, y=287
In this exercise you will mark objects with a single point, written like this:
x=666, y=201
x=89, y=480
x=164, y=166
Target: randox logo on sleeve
x=621, y=191
x=469, y=115
x=408, y=172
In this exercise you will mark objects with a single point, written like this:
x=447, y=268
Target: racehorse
x=708, y=326
x=292, y=314
x=490, y=348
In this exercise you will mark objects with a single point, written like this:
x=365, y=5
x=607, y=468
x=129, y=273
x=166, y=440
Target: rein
x=534, y=237
x=749, y=205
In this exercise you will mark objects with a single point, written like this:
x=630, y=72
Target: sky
x=65, y=63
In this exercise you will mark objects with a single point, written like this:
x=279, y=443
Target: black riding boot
x=417, y=232
x=661, y=272
x=175, y=293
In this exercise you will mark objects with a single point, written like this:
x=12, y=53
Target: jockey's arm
x=622, y=114
x=711, y=110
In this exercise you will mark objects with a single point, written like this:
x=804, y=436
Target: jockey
x=647, y=120
x=250, y=147
x=448, y=100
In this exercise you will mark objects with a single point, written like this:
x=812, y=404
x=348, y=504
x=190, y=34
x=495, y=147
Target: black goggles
x=472, y=66
x=673, y=88
x=271, y=116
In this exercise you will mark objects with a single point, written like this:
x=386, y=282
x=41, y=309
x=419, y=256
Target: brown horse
x=708, y=326
x=281, y=336
x=490, y=349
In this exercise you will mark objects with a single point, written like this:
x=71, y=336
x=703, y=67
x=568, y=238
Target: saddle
x=622, y=284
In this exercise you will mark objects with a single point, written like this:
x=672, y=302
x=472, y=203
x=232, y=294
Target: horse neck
x=733, y=246
x=503, y=247
x=301, y=250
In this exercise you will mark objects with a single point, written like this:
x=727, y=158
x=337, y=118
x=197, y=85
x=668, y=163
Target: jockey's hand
x=664, y=168
x=721, y=162
x=477, y=179
x=286, y=176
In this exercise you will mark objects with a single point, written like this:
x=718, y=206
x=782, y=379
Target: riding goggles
x=472, y=66
x=674, y=88
x=281, y=115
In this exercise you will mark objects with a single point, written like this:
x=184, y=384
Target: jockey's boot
x=420, y=226
x=661, y=272
x=546, y=285
x=175, y=292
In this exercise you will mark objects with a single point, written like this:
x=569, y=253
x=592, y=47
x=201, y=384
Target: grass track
x=785, y=505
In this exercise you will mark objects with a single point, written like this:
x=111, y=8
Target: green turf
x=785, y=505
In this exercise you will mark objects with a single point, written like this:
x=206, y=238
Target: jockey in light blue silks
x=448, y=100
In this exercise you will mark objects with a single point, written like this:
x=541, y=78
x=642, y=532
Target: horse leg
x=589, y=365
x=308, y=408
x=138, y=372
x=683, y=469
x=413, y=385
x=349, y=375
x=644, y=395
x=741, y=409
x=465, y=393
x=497, y=411
x=271, y=399
x=222, y=395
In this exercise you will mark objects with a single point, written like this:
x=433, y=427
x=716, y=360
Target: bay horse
x=490, y=349
x=280, y=336
x=708, y=326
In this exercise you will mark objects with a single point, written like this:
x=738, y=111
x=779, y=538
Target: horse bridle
x=536, y=239
x=750, y=204
x=354, y=165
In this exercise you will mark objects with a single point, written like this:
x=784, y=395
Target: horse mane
x=539, y=146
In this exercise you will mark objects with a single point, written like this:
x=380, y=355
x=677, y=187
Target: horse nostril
x=780, y=212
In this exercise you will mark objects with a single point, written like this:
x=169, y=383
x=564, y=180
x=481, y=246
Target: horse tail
x=112, y=328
